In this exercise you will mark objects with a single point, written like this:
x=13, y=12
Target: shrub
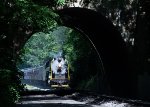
x=10, y=87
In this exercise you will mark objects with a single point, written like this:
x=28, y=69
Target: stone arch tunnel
x=118, y=68
x=109, y=44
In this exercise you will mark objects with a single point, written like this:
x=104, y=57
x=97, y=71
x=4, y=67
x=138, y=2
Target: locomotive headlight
x=59, y=65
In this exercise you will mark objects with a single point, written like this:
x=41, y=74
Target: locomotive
x=59, y=73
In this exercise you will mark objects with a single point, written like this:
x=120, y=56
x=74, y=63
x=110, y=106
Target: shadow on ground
x=53, y=105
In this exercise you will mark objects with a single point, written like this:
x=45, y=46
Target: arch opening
x=85, y=67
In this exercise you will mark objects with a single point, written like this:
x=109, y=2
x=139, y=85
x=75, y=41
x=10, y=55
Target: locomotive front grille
x=59, y=80
x=59, y=76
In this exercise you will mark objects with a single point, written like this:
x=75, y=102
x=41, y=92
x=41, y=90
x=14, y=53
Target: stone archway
x=109, y=44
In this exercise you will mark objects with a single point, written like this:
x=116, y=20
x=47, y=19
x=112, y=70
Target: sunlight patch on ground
x=112, y=104
x=52, y=102
x=30, y=87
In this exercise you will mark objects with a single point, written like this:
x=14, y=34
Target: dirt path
x=50, y=100
x=71, y=100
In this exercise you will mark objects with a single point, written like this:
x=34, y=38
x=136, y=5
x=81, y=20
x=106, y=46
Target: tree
x=37, y=49
x=19, y=19
x=84, y=61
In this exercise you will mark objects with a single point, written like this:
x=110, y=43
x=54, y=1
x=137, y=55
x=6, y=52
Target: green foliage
x=83, y=59
x=10, y=87
x=42, y=46
x=22, y=18
x=37, y=49
x=60, y=2
x=76, y=46
x=37, y=16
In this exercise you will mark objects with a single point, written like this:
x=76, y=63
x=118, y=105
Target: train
x=59, y=75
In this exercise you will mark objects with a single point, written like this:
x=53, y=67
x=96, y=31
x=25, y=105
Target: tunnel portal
x=109, y=44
